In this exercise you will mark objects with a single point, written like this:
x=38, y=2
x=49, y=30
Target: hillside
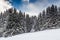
x=42, y=35
x=14, y=23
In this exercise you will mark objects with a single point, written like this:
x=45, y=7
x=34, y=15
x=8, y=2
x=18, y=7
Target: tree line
x=13, y=22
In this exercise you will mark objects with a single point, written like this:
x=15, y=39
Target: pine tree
x=28, y=24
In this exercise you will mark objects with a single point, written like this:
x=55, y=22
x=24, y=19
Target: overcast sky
x=32, y=7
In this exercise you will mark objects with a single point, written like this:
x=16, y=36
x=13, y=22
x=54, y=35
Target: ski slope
x=42, y=35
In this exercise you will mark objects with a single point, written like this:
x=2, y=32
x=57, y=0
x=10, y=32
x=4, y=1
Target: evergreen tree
x=28, y=24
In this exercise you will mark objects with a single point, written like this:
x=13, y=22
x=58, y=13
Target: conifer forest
x=14, y=23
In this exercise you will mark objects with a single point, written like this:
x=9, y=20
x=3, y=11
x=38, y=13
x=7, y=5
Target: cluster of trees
x=13, y=22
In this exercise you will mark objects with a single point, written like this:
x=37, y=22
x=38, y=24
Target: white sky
x=4, y=5
x=25, y=0
x=37, y=7
x=31, y=8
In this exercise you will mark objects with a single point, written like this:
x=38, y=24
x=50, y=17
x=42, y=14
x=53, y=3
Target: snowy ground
x=42, y=35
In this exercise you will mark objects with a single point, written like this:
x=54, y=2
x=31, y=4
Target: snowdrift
x=53, y=34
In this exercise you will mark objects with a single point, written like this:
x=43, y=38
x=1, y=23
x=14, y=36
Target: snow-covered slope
x=42, y=35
